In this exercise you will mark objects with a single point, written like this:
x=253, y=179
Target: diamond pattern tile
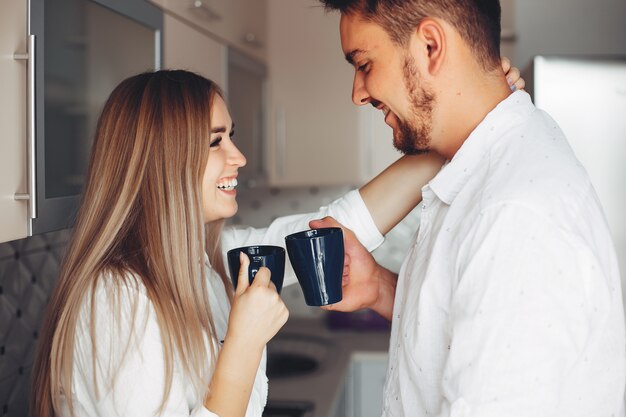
x=28, y=272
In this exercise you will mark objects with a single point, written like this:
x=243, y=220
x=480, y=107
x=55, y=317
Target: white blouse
x=138, y=386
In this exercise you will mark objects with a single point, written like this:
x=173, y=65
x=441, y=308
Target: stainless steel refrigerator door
x=587, y=98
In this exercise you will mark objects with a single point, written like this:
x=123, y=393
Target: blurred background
x=288, y=86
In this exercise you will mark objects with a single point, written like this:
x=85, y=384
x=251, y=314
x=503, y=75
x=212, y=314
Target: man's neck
x=463, y=108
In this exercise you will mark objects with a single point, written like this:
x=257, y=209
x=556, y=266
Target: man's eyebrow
x=222, y=129
x=350, y=55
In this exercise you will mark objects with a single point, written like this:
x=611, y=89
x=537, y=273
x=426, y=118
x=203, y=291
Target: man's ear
x=431, y=44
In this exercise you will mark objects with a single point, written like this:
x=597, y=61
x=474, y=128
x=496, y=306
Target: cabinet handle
x=31, y=196
x=281, y=138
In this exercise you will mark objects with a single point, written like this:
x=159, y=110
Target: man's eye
x=216, y=142
x=362, y=68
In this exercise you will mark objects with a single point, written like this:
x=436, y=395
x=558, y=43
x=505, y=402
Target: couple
x=508, y=302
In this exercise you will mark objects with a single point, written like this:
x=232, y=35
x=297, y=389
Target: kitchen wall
x=28, y=272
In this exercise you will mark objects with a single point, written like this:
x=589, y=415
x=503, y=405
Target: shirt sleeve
x=529, y=303
x=349, y=210
x=129, y=378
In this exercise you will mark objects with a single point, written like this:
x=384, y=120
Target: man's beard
x=414, y=136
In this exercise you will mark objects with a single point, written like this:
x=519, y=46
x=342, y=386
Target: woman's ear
x=430, y=44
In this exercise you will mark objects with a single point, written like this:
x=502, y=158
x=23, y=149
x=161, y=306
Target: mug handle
x=255, y=264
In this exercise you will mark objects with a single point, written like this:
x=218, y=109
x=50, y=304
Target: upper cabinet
x=60, y=62
x=83, y=52
x=317, y=135
x=235, y=23
x=14, y=116
x=186, y=47
x=227, y=46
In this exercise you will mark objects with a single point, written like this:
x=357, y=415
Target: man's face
x=387, y=77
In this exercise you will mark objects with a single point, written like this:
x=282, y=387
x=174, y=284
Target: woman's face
x=220, y=175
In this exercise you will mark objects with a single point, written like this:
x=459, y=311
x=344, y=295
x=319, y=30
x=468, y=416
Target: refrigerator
x=587, y=98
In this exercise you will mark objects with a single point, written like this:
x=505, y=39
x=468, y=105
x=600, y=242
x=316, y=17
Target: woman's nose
x=235, y=157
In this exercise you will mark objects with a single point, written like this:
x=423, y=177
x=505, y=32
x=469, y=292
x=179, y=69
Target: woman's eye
x=362, y=68
x=215, y=142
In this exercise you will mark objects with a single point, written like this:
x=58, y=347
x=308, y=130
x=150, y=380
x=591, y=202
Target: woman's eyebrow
x=222, y=129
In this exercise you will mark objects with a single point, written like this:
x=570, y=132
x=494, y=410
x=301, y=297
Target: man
x=509, y=300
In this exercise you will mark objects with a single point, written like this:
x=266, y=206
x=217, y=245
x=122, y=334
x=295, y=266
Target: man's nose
x=359, y=93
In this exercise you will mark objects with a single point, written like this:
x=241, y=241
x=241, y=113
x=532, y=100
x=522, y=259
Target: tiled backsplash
x=28, y=272
x=29, y=269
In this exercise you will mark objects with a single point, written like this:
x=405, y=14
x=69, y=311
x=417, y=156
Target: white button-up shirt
x=509, y=301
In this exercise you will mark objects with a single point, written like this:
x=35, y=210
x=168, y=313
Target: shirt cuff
x=359, y=220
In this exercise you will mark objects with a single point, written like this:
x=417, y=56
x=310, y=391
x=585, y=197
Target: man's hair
x=477, y=21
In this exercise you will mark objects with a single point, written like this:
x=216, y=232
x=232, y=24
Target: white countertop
x=322, y=387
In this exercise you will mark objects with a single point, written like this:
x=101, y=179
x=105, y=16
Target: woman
x=143, y=319
x=130, y=328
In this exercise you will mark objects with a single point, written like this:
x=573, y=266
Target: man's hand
x=365, y=283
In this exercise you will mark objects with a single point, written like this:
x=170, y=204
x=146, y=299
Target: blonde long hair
x=141, y=216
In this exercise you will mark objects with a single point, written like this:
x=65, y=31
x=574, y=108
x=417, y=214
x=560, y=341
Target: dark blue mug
x=271, y=257
x=317, y=259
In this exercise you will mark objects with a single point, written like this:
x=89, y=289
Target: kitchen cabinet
x=235, y=23
x=59, y=63
x=362, y=392
x=185, y=47
x=14, y=213
x=316, y=135
x=247, y=101
x=241, y=77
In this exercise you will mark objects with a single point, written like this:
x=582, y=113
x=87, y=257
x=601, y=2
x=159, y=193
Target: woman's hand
x=513, y=75
x=257, y=312
x=256, y=316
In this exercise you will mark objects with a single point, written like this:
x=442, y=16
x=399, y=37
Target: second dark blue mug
x=271, y=257
x=317, y=259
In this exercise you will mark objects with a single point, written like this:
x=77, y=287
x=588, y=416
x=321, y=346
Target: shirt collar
x=455, y=174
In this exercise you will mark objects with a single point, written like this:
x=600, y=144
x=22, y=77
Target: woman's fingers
x=506, y=64
x=262, y=277
x=242, y=278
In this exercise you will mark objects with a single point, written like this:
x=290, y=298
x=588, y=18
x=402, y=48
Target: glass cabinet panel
x=84, y=48
x=89, y=50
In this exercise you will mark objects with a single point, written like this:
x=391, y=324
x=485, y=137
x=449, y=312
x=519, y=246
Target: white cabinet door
x=362, y=392
x=313, y=126
x=187, y=48
x=368, y=377
x=317, y=136
x=13, y=123
x=237, y=23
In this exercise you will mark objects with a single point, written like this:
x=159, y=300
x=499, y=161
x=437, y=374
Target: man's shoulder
x=534, y=167
x=534, y=163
